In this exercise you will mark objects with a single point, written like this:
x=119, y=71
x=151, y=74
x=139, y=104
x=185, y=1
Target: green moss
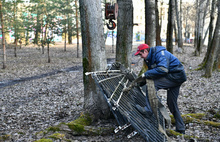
x=84, y=119
x=175, y=134
x=53, y=129
x=196, y=115
x=195, y=118
x=21, y=133
x=188, y=118
x=211, y=123
x=76, y=127
x=44, y=140
x=4, y=137
x=78, y=124
x=85, y=69
x=217, y=115
x=57, y=136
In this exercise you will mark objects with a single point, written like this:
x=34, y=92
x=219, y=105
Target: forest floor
x=35, y=94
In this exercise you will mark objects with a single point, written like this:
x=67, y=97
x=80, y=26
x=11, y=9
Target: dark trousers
x=172, y=95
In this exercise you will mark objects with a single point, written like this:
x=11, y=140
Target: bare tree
x=201, y=9
x=94, y=58
x=170, y=26
x=150, y=23
x=77, y=28
x=124, y=32
x=214, y=46
x=158, y=26
x=179, y=23
x=211, y=25
x=3, y=37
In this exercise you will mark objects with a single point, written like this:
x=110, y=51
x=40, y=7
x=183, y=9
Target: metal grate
x=122, y=104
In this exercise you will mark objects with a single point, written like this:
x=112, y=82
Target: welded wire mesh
x=123, y=104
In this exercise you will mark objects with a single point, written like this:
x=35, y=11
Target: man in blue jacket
x=168, y=73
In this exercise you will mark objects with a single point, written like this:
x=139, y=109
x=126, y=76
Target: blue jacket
x=162, y=63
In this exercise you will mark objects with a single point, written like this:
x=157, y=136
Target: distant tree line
x=43, y=18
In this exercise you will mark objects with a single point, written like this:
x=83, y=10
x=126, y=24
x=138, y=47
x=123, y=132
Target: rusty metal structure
x=122, y=104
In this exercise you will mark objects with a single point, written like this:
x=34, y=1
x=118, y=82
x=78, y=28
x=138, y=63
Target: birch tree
x=124, y=32
x=93, y=55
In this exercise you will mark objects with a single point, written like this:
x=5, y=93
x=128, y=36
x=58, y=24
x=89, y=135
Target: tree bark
x=69, y=24
x=179, y=24
x=199, y=27
x=158, y=26
x=124, y=32
x=94, y=58
x=3, y=37
x=48, y=51
x=214, y=46
x=170, y=26
x=217, y=59
x=211, y=23
x=77, y=29
x=15, y=28
x=150, y=23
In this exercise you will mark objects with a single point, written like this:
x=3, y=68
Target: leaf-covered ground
x=35, y=95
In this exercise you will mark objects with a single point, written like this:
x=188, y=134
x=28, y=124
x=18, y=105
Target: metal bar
x=122, y=127
x=119, y=83
x=106, y=79
x=88, y=73
x=132, y=134
x=121, y=93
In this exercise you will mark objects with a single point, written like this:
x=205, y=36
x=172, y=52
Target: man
x=167, y=73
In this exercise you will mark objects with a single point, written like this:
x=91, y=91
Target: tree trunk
x=170, y=26
x=3, y=37
x=203, y=64
x=65, y=33
x=94, y=58
x=214, y=46
x=199, y=27
x=65, y=38
x=48, y=51
x=124, y=32
x=113, y=41
x=38, y=26
x=150, y=23
x=15, y=32
x=217, y=59
x=175, y=32
x=158, y=26
x=186, y=27
x=77, y=29
x=179, y=24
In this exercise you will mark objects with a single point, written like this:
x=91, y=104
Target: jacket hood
x=154, y=50
x=159, y=48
